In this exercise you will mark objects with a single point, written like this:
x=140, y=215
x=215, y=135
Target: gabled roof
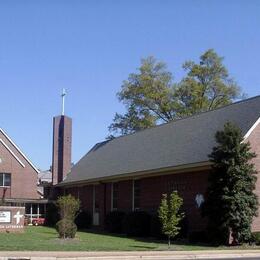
x=181, y=142
x=18, y=149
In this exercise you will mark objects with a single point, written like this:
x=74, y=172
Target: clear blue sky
x=90, y=47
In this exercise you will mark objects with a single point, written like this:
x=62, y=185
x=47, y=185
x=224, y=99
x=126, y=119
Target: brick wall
x=23, y=179
x=188, y=185
x=254, y=140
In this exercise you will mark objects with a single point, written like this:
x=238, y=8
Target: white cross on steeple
x=18, y=217
x=63, y=101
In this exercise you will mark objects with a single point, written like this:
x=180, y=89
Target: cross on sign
x=18, y=217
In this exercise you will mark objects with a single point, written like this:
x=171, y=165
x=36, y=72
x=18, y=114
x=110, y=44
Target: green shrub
x=198, y=237
x=256, y=238
x=66, y=228
x=114, y=221
x=156, y=227
x=68, y=207
x=137, y=224
x=52, y=215
x=83, y=220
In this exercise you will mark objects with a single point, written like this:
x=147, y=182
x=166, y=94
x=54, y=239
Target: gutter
x=193, y=167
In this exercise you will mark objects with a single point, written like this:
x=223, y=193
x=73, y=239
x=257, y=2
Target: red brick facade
x=151, y=189
x=23, y=175
x=254, y=140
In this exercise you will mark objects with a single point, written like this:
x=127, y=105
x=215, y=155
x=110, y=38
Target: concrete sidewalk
x=147, y=255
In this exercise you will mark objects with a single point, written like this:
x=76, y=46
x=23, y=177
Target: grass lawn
x=46, y=239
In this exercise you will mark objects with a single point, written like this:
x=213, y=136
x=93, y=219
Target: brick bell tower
x=62, y=138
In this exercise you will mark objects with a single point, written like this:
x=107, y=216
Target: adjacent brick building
x=16, y=168
x=132, y=172
x=18, y=178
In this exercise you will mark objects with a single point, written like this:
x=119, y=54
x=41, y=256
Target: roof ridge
x=186, y=117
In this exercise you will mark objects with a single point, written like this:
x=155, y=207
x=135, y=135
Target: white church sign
x=11, y=219
x=5, y=216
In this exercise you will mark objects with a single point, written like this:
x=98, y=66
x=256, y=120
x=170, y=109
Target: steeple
x=62, y=135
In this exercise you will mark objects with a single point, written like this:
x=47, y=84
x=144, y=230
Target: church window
x=136, y=194
x=114, y=200
x=5, y=179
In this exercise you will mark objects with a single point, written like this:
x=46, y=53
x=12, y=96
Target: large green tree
x=148, y=97
x=206, y=86
x=231, y=203
x=151, y=97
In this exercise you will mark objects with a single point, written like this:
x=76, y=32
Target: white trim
x=252, y=129
x=16, y=147
x=12, y=153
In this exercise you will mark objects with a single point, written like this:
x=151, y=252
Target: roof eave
x=144, y=174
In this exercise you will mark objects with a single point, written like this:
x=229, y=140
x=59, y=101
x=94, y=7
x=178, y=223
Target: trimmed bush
x=83, y=220
x=114, y=221
x=137, y=224
x=68, y=207
x=66, y=228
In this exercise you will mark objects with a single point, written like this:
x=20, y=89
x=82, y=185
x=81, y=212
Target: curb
x=146, y=255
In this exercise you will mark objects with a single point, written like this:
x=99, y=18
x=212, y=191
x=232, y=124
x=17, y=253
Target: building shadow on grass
x=152, y=240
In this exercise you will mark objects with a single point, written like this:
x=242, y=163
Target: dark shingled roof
x=177, y=143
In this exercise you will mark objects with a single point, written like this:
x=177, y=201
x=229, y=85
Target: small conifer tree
x=170, y=215
x=231, y=203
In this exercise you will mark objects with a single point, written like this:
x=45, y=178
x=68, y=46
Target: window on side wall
x=136, y=194
x=5, y=179
x=114, y=196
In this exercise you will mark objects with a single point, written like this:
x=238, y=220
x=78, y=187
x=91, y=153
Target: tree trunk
x=169, y=242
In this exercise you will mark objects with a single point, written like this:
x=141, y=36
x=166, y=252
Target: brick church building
x=132, y=172
x=19, y=179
